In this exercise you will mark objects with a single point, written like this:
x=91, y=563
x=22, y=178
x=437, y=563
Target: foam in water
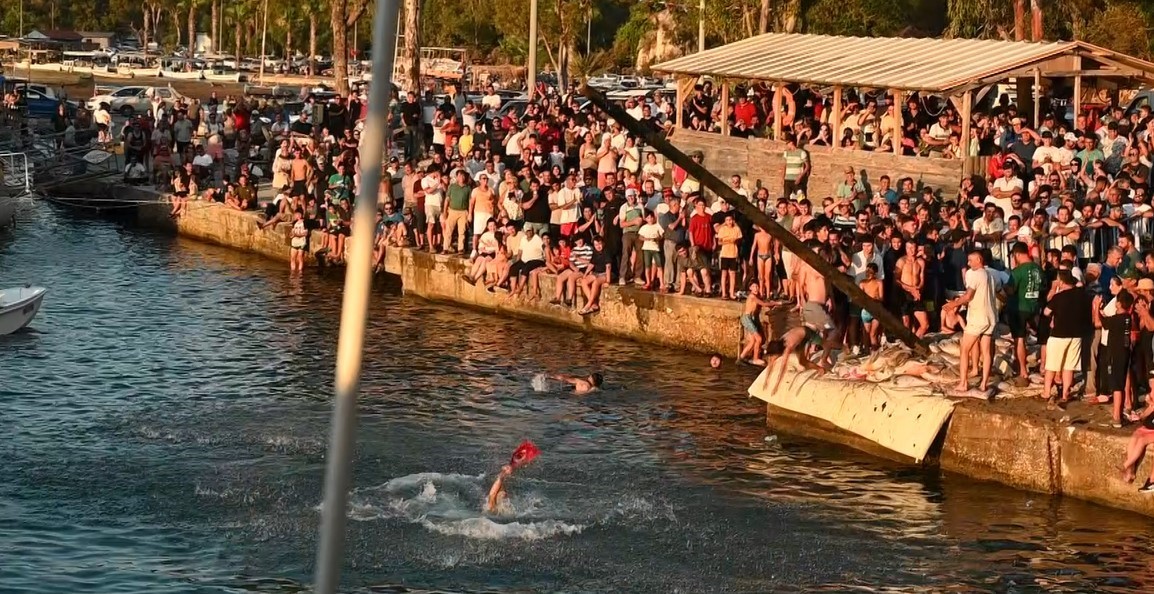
x=450, y=504
x=541, y=383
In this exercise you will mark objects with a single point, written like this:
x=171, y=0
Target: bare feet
x=1128, y=474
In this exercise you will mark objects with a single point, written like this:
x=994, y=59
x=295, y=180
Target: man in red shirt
x=745, y=111
x=701, y=240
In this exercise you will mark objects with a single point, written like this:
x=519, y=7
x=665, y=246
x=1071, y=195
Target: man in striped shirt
x=580, y=259
x=796, y=172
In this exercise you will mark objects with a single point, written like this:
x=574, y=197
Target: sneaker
x=621, y=282
x=855, y=351
x=639, y=281
x=1147, y=488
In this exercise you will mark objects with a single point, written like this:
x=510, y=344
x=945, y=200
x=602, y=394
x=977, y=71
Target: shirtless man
x=788, y=260
x=763, y=253
x=873, y=287
x=911, y=278
x=497, y=491
x=814, y=299
x=779, y=351
x=749, y=322
x=581, y=385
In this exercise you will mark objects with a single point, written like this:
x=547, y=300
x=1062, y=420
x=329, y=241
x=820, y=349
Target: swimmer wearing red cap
x=581, y=385
x=524, y=454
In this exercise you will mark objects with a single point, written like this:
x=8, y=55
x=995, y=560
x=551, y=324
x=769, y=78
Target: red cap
x=524, y=454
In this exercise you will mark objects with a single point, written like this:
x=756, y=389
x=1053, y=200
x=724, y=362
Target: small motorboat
x=18, y=306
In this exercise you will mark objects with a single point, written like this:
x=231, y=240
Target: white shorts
x=787, y=263
x=979, y=328
x=480, y=222
x=1063, y=354
x=432, y=213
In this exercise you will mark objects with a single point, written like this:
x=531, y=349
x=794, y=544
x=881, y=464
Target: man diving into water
x=581, y=385
x=793, y=342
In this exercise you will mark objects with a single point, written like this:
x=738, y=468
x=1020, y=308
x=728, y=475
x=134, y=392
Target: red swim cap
x=524, y=454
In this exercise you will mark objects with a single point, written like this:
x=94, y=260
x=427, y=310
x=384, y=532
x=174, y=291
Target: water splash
x=541, y=383
x=450, y=504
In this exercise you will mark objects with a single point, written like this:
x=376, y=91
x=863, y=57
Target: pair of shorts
x=1021, y=322
x=651, y=258
x=568, y=229
x=480, y=222
x=729, y=264
x=1063, y=354
x=979, y=327
x=1114, y=367
x=432, y=212
x=749, y=322
x=787, y=259
x=300, y=188
x=866, y=317
x=524, y=268
x=699, y=258
x=906, y=303
x=815, y=317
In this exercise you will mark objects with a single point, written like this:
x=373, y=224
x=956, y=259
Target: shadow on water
x=167, y=429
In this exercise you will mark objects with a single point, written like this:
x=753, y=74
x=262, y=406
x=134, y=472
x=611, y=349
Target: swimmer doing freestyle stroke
x=524, y=454
x=581, y=385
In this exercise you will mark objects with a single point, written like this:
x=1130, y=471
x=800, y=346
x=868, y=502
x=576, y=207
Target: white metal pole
x=355, y=305
x=701, y=27
x=263, y=39
x=532, y=48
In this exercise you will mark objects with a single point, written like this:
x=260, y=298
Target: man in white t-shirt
x=491, y=100
x=529, y=261
x=1004, y=187
x=565, y=204
x=981, y=317
x=988, y=231
x=434, y=197
x=1047, y=156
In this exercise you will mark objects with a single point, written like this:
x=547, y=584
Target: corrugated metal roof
x=877, y=62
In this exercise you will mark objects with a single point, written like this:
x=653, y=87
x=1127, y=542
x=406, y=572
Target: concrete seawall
x=1013, y=442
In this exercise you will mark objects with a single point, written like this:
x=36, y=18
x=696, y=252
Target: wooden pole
x=1077, y=91
x=841, y=281
x=724, y=106
x=835, y=117
x=1036, y=94
x=778, y=97
x=967, y=107
x=898, y=101
x=680, y=102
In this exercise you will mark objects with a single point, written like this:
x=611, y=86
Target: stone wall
x=759, y=160
x=703, y=325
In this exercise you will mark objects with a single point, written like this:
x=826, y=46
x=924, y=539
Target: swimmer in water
x=524, y=454
x=497, y=491
x=581, y=385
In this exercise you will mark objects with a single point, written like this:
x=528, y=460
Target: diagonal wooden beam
x=841, y=281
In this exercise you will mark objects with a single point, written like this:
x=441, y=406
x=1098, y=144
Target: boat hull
x=18, y=307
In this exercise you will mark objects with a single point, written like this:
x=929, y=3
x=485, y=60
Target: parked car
x=40, y=105
x=130, y=101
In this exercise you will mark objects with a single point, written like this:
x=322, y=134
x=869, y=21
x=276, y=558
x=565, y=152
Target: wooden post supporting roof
x=679, y=106
x=1077, y=91
x=724, y=106
x=835, y=118
x=778, y=97
x=967, y=109
x=899, y=128
x=838, y=279
x=1037, y=95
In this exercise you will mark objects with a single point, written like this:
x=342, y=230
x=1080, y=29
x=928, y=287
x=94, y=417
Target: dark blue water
x=163, y=430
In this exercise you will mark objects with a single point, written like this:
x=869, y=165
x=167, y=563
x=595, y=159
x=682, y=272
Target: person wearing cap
x=629, y=218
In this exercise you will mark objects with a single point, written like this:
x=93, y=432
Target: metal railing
x=16, y=172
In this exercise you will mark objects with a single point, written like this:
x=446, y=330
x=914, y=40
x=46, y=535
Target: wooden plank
x=724, y=106
x=1077, y=91
x=778, y=97
x=967, y=108
x=835, y=121
x=839, y=280
x=899, y=103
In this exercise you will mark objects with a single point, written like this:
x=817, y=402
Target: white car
x=130, y=101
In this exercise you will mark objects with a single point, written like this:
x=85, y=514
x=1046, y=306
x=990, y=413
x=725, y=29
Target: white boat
x=18, y=306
